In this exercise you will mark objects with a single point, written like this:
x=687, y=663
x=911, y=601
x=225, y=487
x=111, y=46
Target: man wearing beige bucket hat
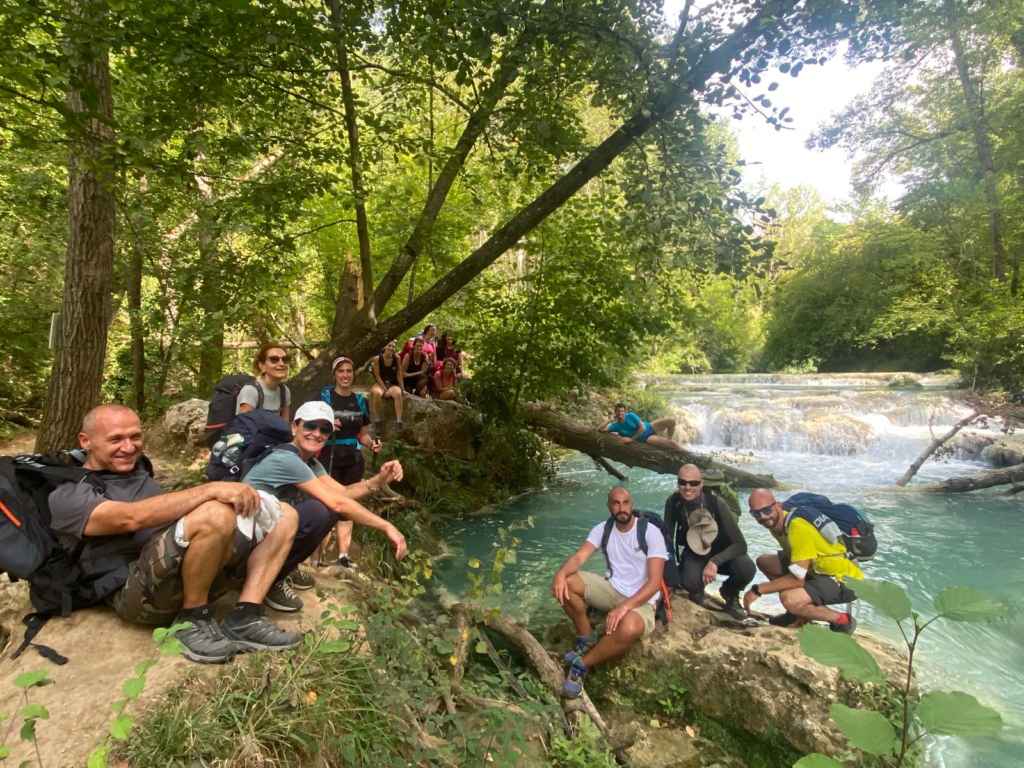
x=707, y=540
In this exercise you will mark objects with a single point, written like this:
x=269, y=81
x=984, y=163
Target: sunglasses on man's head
x=318, y=426
x=691, y=483
x=279, y=359
x=763, y=512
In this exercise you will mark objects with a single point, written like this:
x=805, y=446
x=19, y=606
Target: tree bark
x=988, y=479
x=703, y=66
x=933, y=447
x=136, y=329
x=587, y=439
x=982, y=143
x=355, y=161
x=77, y=372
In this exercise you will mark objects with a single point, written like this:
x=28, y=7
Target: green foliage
x=584, y=751
x=892, y=735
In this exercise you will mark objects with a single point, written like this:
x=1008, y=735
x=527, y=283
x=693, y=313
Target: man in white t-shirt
x=629, y=594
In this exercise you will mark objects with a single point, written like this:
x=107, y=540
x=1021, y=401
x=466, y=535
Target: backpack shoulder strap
x=641, y=532
x=259, y=393
x=361, y=400
x=325, y=394
x=605, y=535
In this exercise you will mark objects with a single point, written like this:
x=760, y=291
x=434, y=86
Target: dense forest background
x=556, y=183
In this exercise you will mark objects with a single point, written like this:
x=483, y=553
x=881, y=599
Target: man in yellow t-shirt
x=812, y=576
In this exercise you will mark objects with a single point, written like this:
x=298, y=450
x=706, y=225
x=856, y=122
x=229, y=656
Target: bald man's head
x=112, y=436
x=765, y=509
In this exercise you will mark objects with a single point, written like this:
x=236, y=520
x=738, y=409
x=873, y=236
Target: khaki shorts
x=153, y=593
x=600, y=594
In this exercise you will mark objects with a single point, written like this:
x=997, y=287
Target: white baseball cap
x=315, y=410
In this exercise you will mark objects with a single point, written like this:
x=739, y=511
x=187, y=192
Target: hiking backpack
x=663, y=612
x=248, y=437
x=29, y=549
x=224, y=401
x=836, y=523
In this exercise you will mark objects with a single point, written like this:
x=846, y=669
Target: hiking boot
x=300, y=579
x=572, y=688
x=734, y=609
x=256, y=633
x=204, y=641
x=282, y=597
x=583, y=644
x=845, y=624
x=786, y=619
x=697, y=598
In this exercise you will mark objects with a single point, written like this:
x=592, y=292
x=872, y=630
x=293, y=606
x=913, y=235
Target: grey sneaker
x=256, y=633
x=204, y=641
x=300, y=579
x=282, y=597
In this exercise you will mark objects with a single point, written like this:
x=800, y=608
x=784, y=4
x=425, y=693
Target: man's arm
x=336, y=498
x=787, y=581
x=727, y=524
x=559, y=585
x=390, y=472
x=114, y=517
x=655, y=570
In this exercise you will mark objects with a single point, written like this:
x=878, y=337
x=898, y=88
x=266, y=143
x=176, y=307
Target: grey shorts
x=600, y=594
x=825, y=590
x=153, y=592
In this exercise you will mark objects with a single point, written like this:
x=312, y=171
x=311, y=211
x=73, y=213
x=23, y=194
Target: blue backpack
x=836, y=523
x=248, y=436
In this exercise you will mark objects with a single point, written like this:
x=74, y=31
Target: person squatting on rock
x=169, y=555
x=629, y=427
x=343, y=452
x=292, y=473
x=387, y=382
x=628, y=595
x=707, y=541
x=810, y=577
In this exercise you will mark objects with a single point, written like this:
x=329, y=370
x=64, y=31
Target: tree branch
x=934, y=446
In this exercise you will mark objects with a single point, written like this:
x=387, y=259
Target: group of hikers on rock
x=697, y=539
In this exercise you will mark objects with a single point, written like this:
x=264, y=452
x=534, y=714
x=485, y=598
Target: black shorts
x=825, y=590
x=346, y=464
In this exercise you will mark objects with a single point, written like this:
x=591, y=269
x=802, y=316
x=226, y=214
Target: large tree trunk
x=589, y=440
x=982, y=143
x=701, y=66
x=77, y=372
x=136, y=330
x=988, y=479
x=935, y=444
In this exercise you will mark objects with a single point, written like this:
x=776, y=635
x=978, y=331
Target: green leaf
x=968, y=604
x=171, y=647
x=887, y=597
x=32, y=679
x=834, y=649
x=473, y=563
x=121, y=727
x=480, y=647
x=98, y=757
x=28, y=730
x=33, y=711
x=335, y=646
x=132, y=687
x=815, y=760
x=955, y=713
x=865, y=729
x=5, y=752
x=510, y=557
x=144, y=666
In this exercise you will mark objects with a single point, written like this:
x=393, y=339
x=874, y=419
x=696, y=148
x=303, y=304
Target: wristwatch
x=756, y=589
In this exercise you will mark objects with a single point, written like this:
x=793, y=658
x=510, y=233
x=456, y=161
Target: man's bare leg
x=799, y=603
x=344, y=531
x=268, y=556
x=575, y=607
x=210, y=530
x=664, y=442
x=395, y=393
x=665, y=427
x=612, y=646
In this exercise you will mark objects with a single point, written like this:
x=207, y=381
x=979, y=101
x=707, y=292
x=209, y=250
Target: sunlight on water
x=926, y=542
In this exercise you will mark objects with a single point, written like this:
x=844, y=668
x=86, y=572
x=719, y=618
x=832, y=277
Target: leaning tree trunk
x=77, y=372
x=989, y=479
x=587, y=439
x=935, y=444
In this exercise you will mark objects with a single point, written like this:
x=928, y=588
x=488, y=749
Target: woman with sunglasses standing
x=343, y=454
x=268, y=392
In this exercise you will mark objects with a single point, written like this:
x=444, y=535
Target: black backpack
x=29, y=549
x=836, y=523
x=224, y=400
x=246, y=439
x=663, y=612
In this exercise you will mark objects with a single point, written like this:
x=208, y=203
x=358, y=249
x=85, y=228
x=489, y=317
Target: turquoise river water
x=845, y=436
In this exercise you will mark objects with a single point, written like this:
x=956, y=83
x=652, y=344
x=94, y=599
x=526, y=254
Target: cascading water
x=848, y=436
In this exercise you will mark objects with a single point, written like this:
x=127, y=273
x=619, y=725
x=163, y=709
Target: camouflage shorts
x=153, y=592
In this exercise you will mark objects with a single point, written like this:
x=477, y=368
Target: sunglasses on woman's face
x=691, y=483
x=275, y=359
x=318, y=426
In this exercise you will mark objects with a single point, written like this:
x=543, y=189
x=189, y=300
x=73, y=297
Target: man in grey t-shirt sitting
x=293, y=474
x=165, y=556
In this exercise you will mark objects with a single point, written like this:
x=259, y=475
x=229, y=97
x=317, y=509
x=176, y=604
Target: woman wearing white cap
x=292, y=473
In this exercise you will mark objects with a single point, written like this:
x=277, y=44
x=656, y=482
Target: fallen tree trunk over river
x=586, y=439
x=993, y=477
